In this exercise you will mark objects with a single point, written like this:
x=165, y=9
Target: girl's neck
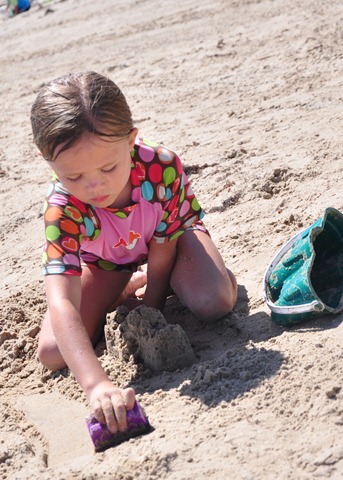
x=124, y=198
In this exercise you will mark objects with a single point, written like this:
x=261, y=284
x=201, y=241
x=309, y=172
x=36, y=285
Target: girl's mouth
x=101, y=199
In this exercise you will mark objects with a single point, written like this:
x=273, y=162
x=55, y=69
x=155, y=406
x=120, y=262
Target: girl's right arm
x=109, y=403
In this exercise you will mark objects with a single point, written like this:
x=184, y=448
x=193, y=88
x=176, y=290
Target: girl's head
x=78, y=103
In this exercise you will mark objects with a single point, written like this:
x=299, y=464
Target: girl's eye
x=108, y=170
x=74, y=179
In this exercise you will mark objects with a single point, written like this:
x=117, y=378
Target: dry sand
x=249, y=93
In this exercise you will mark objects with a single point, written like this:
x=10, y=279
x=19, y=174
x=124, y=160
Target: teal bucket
x=305, y=277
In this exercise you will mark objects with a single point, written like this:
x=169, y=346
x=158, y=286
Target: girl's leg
x=102, y=291
x=200, y=279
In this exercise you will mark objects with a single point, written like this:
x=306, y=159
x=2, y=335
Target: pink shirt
x=163, y=206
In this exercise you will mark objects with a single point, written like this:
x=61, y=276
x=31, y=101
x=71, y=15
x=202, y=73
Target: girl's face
x=96, y=170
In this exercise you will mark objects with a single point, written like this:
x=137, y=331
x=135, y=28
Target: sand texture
x=250, y=95
x=145, y=334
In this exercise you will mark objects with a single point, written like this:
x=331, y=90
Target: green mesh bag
x=306, y=276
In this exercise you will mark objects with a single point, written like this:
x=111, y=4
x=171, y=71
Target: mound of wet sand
x=145, y=334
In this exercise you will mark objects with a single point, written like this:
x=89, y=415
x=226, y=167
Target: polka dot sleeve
x=163, y=180
x=63, y=232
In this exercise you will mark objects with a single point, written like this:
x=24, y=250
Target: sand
x=145, y=334
x=249, y=93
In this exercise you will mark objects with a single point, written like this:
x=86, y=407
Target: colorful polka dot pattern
x=157, y=176
x=67, y=222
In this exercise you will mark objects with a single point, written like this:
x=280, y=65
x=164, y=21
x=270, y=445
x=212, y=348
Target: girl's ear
x=132, y=137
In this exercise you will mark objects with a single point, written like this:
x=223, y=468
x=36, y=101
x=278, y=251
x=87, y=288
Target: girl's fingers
x=111, y=409
x=120, y=416
x=110, y=415
x=120, y=408
x=98, y=412
x=129, y=398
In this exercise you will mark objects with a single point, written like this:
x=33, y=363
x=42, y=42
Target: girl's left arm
x=161, y=259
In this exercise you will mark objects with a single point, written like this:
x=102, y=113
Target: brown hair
x=69, y=106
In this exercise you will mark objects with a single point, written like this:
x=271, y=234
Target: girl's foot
x=134, y=289
x=136, y=285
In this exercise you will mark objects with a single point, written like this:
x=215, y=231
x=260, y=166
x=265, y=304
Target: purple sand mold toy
x=102, y=438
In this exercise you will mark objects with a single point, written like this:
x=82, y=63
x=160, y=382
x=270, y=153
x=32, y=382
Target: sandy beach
x=249, y=94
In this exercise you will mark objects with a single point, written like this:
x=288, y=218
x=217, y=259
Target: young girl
x=18, y=6
x=116, y=201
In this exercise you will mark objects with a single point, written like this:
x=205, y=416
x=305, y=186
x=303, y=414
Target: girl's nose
x=93, y=183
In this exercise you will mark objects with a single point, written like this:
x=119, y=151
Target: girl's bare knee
x=212, y=315
x=214, y=305
x=211, y=309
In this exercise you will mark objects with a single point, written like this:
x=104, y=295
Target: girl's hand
x=109, y=405
x=132, y=302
